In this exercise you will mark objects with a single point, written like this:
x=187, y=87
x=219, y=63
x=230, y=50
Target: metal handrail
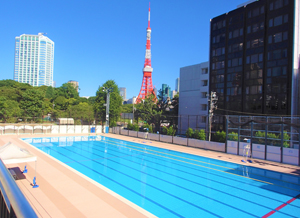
x=17, y=200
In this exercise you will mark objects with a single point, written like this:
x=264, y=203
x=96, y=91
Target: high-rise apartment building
x=177, y=82
x=34, y=60
x=254, y=58
x=123, y=93
x=166, y=91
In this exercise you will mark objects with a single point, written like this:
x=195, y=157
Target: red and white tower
x=147, y=87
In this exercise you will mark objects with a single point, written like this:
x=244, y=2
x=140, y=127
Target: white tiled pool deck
x=63, y=192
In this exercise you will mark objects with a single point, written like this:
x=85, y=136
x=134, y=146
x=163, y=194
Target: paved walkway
x=64, y=192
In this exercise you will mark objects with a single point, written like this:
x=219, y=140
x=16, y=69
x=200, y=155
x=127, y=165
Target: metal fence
x=270, y=138
x=180, y=123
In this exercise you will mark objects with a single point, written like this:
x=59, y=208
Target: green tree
x=67, y=90
x=61, y=103
x=92, y=100
x=127, y=108
x=148, y=111
x=114, y=105
x=32, y=103
x=9, y=110
x=50, y=92
x=82, y=111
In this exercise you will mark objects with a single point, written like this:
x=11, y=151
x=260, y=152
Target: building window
x=260, y=57
x=203, y=119
x=270, y=39
x=204, y=107
x=278, y=37
x=248, y=60
x=278, y=21
x=278, y=4
x=248, y=29
x=271, y=22
x=285, y=18
x=204, y=70
x=235, y=33
x=204, y=94
x=229, y=63
x=204, y=82
x=255, y=12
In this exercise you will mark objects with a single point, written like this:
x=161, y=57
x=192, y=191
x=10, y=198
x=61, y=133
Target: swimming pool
x=173, y=184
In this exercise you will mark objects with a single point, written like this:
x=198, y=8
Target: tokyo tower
x=147, y=87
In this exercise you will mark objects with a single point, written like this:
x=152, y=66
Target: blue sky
x=97, y=40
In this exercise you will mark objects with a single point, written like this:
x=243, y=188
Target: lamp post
x=108, y=91
x=133, y=108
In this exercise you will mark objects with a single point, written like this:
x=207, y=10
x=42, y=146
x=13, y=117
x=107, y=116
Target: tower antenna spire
x=149, y=16
x=147, y=87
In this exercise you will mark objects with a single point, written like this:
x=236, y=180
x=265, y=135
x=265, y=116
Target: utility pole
x=213, y=101
x=108, y=91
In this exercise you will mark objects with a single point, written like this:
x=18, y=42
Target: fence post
x=226, y=117
x=251, y=136
x=298, y=146
x=266, y=138
x=239, y=131
x=281, y=149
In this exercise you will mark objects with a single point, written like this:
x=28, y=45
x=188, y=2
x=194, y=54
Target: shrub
x=171, y=131
x=129, y=126
x=77, y=122
x=113, y=123
x=200, y=134
x=189, y=133
x=136, y=127
x=272, y=139
x=220, y=136
x=286, y=137
x=233, y=136
x=11, y=120
x=260, y=137
x=147, y=128
x=164, y=130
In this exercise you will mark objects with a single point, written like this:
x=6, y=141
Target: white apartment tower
x=123, y=93
x=34, y=60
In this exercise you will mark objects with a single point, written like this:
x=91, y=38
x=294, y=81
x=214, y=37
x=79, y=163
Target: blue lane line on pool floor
x=236, y=169
x=228, y=205
x=190, y=174
x=140, y=182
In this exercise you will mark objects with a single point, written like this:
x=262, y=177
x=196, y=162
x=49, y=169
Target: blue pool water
x=173, y=184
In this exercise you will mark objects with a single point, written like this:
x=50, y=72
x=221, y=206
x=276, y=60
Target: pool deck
x=63, y=192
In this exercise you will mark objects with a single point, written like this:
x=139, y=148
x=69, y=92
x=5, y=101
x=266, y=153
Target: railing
x=12, y=203
x=49, y=129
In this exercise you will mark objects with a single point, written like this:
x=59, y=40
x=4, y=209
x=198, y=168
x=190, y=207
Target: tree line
x=21, y=102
